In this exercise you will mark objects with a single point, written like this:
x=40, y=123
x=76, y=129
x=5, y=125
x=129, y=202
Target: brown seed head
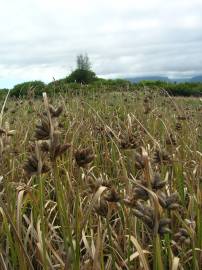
x=112, y=195
x=102, y=208
x=31, y=166
x=84, y=156
x=157, y=183
x=42, y=131
x=55, y=112
x=161, y=156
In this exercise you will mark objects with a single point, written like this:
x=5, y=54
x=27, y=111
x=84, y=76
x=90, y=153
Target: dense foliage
x=23, y=89
x=85, y=80
x=81, y=76
x=176, y=89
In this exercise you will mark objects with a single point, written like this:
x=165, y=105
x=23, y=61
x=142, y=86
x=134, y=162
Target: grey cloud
x=121, y=37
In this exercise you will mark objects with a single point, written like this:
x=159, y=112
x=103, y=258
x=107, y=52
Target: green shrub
x=22, y=89
x=91, y=83
x=81, y=76
x=184, y=89
x=3, y=93
x=151, y=83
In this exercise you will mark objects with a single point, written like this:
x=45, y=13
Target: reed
x=101, y=181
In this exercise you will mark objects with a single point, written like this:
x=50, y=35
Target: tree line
x=83, y=74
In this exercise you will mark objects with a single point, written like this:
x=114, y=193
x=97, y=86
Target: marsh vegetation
x=101, y=180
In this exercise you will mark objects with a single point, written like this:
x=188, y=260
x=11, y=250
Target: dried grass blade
x=140, y=251
x=175, y=263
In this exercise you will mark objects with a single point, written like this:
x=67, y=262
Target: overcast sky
x=40, y=39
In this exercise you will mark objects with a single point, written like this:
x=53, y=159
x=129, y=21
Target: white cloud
x=41, y=38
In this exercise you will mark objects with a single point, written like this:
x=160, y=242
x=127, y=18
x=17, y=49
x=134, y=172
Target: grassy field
x=101, y=181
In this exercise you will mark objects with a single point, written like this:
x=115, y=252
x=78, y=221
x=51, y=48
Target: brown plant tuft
x=84, y=156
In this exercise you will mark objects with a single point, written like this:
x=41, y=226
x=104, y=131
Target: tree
x=83, y=73
x=83, y=62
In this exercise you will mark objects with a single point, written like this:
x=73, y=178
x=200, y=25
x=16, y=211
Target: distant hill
x=196, y=79
x=148, y=78
x=164, y=79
